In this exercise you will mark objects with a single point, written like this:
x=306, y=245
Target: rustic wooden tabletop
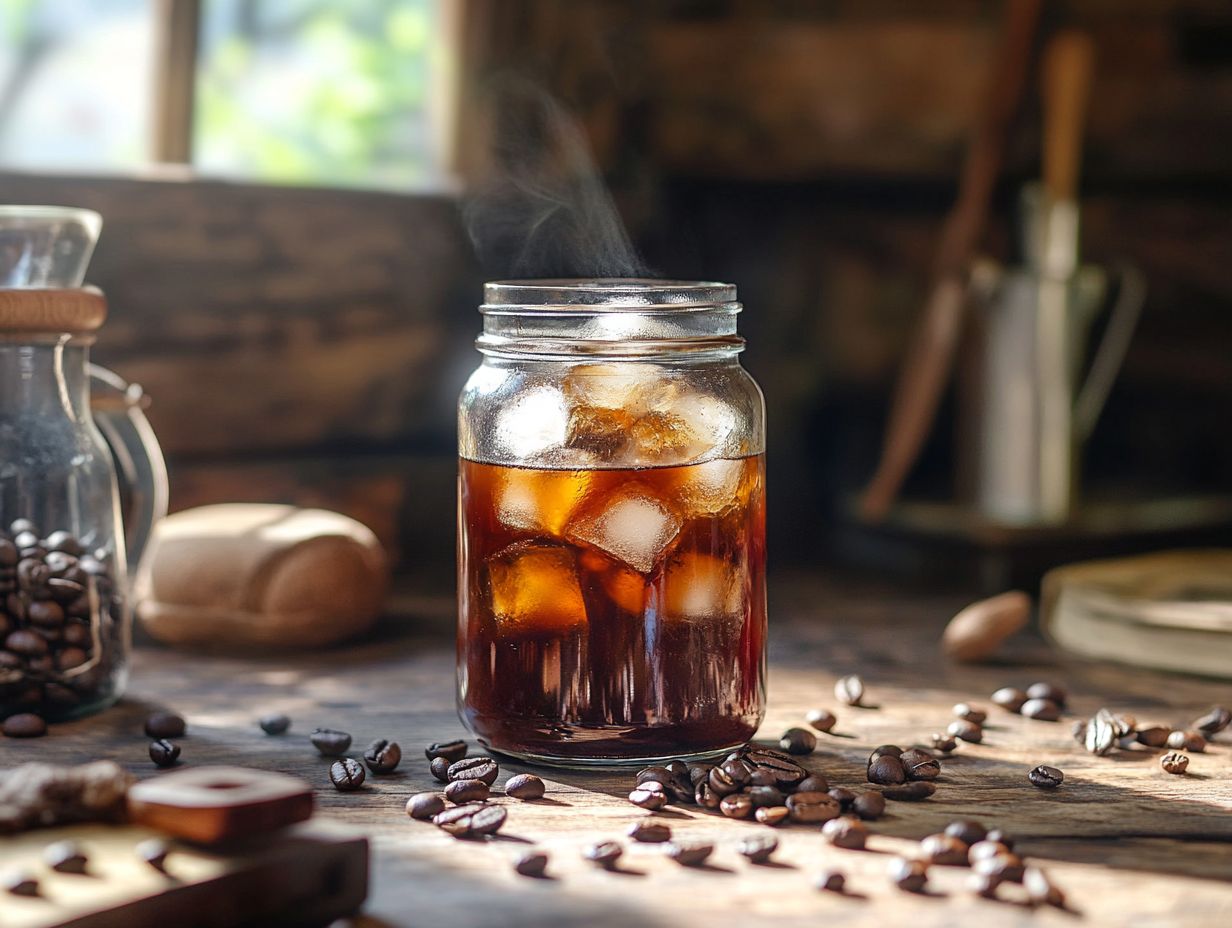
x=1126, y=842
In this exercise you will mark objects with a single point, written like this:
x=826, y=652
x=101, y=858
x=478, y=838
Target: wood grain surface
x=1126, y=842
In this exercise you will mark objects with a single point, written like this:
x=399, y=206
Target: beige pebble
x=978, y=630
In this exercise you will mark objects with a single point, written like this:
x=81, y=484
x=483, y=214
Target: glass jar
x=611, y=559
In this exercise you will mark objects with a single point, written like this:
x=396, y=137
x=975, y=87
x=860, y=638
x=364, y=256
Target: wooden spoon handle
x=1067, y=68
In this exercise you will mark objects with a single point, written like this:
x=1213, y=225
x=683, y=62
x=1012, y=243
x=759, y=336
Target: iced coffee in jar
x=611, y=558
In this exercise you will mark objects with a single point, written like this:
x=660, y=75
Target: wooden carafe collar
x=73, y=311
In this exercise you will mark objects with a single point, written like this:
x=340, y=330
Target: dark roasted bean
x=65, y=857
x=970, y=713
x=275, y=724
x=738, y=771
x=1191, y=741
x=425, y=805
x=1045, y=777
x=1042, y=710
x=1040, y=890
x=943, y=742
x=532, y=864
x=383, y=756
x=965, y=731
x=471, y=820
x=944, y=850
x=698, y=773
x=26, y=643
x=849, y=690
x=19, y=883
x=450, y=750
x=758, y=849
x=721, y=782
x=678, y=768
x=605, y=853
x=525, y=786
x=330, y=742
x=984, y=884
x=1173, y=762
x=154, y=851
x=1006, y=868
x=967, y=831
x=474, y=768
x=811, y=808
x=821, y=719
x=1154, y=737
x=164, y=725
x=909, y=875
x=772, y=815
x=786, y=770
x=737, y=805
x=660, y=775
x=886, y=769
x=998, y=836
x=45, y=613
x=798, y=741
x=439, y=768
x=689, y=854
x=762, y=796
x=650, y=795
x=910, y=792
x=763, y=777
x=24, y=725
x=869, y=805
x=813, y=783
x=885, y=750
x=920, y=765
x=460, y=792
x=346, y=774
x=843, y=796
x=648, y=832
x=846, y=832
x=1213, y=722
x=986, y=848
x=1102, y=732
x=1009, y=698
x=1048, y=691
x=831, y=881
x=706, y=797
x=164, y=753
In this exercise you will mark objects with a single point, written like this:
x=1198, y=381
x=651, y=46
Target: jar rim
x=606, y=294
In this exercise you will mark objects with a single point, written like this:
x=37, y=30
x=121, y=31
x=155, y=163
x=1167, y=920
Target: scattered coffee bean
x=966, y=831
x=330, y=742
x=886, y=769
x=721, y=782
x=154, y=851
x=843, y=796
x=997, y=836
x=605, y=853
x=699, y=773
x=346, y=774
x=798, y=741
x=920, y=765
x=910, y=792
x=737, y=805
x=968, y=712
x=1009, y=698
x=164, y=753
x=966, y=731
x=811, y=808
x=1045, y=777
x=738, y=771
x=849, y=690
x=660, y=775
x=164, y=725
x=1172, y=762
x=885, y=750
x=425, y=805
x=1048, y=691
x=772, y=815
x=690, y=854
x=909, y=875
x=439, y=768
x=869, y=805
x=847, y=833
x=765, y=796
x=650, y=795
x=1040, y=890
x=450, y=750
x=1005, y=868
x=943, y=742
x=1191, y=741
x=472, y=820
x=525, y=786
x=19, y=883
x=65, y=857
x=648, y=832
x=706, y=797
x=786, y=770
x=830, y=881
x=383, y=756
x=532, y=864
x=986, y=848
x=813, y=783
x=758, y=849
x=1213, y=722
x=1103, y=731
x=275, y=724
x=1154, y=737
x=821, y=719
x=461, y=792
x=474, y=768
x=24, y=725
x=1042, y=710
x=944, y=850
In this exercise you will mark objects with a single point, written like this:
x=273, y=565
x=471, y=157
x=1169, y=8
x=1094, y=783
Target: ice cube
x=632, y=524
x=535, y=424
x=713, y=487
x=603, y=432
x=683, y=426
x=622, y=585
x=540, y=501
x=698, y=586
x=535, y=590
x=619, y=385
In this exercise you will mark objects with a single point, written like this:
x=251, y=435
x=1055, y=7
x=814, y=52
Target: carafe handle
x=118, y=409
x=1089, y=402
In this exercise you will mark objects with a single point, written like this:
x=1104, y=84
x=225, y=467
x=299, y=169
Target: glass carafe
x=64, y=611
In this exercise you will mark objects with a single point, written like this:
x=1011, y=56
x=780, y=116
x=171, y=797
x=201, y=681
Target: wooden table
x=1127, y=843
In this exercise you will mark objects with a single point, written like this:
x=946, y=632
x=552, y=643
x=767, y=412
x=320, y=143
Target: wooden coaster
x=212, y=804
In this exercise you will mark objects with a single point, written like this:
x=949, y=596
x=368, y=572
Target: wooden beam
x=177, y=25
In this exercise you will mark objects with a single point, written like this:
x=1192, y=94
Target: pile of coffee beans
x=1108, y=730
x=62, y=641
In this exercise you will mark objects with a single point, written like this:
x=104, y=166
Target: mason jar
x=611, y=538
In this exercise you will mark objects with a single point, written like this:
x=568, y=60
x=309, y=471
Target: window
x=336, y=92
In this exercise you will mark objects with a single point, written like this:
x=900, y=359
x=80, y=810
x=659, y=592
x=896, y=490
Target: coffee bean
x=276, y=724
x=772, y=815
x=944, y=850
x=26, y=643
x=738, y=771
x=532, y=864
x=1042, y=710
x=886, y=769
x=154, y=851
x=1045, y=777
x=605, y=853
x=885, y=750
x=706, y=797
x=1009, y=698
x=461, y=792
x=450, y=750
x=848, y=833
x=843, y=796
x=648, y=832
x=24, y=725
x=164, y=753
x=1173, y=762
x=383, y=756
x=821, y=719
x=25, y=540
x=966, y=731
x=908, y=875
x=983, y=884
x=798, y=741
x=813, y=783
x=65, y=857
x=1005, y=868
x=758, y=849
x=1154, y=737
x=164, y=725
x=945, y=743
x=19, y=883
x=811, y=808
x=1102, y=732
x=698, y=773
x=986, y=848
x=68, y=658
x=849, y=690
x=1048, y=691
x=721, y=782
x=920, y=765
x=474, y=768
x=869, y=805
x=910, y=792
x=966, y=831
x=45, y=614
x=425, y=805
x=64, y=542
x=346, y=774
x=1191, y=741
x=472, y=820
x=970, y=713
x=762, y=777
x=1040, y=890
x=785, y=769
x=330, y=742
x=525, y=786
x=1213, y=722
x=737, y=805
x=650, y=795
x=831, y=881
x=998, y=836
x=439, y=768
x=8, y=553
x=690, y=854
x=764, y=796
x=660, y=775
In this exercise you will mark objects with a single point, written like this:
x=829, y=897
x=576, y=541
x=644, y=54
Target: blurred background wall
x=299, y=296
